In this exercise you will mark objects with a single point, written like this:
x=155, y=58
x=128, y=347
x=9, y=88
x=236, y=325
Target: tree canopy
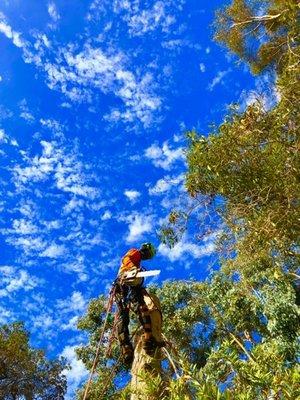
x=25, y=373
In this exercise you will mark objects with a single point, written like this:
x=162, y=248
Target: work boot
x=127, y=354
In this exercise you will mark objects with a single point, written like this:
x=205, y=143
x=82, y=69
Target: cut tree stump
x=145, y=367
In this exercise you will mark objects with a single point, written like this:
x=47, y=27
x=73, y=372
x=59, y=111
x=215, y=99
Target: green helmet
x=149, y=249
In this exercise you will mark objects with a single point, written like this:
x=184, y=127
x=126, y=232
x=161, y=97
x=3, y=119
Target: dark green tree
x=25, y=373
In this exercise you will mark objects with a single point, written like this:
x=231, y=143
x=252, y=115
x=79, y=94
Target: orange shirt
x=132, y=259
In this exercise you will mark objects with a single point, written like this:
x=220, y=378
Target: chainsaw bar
x=140, y=274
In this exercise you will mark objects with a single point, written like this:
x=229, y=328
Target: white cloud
x=52, y=10
x=202, y=67
x=1, y=79
x=265, y=92
x=74, y=204
x=24, y=227
x=10, y=33
x=29, y=244
x=164, y=156
x=77, y=374
x=107, y=215
x=132, y=195
x=76, y=303
x=25, y=112
x=71, y=324
x=62, y=166
x=78, y=74
x=13, y=280
x=43, y=321
x=138, y=225
x=51, y=124
x=165, y=184
x=177, y=44
x=54, y=251
x=81, y=73
x=218, y=79
x=2, y=135
x=185, y=248
x=149, y=20
x=5, y=315
x=140, y=21
x=27, y=116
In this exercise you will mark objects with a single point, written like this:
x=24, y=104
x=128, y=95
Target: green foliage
x=171, y=233
x=260, y=32
x=221, y=331
x=25, y=373
x=109, y=369
x=253, y=163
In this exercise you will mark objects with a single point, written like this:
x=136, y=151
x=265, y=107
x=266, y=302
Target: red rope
x=108, y=308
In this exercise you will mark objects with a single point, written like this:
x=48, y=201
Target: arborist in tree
x=129, y=294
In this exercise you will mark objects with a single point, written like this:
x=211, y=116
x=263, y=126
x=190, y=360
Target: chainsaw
x=135, y=273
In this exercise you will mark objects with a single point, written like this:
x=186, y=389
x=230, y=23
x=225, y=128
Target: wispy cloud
x=142, y=21
x=165, y=156
x=218, y=79
x=132, y=195
x=76, y=374
x=55, y=163
x=202, y=67
x=11, y=34
x=52, y=188
x=54, y=251
x=78, y=74
x=165, y=184
x=265, y=92
x=138, y=225
x=52, y=10
x=14, y=279
x=186, y=248
x=2, y=135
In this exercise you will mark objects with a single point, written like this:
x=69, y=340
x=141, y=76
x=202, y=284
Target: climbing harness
x=126, y=278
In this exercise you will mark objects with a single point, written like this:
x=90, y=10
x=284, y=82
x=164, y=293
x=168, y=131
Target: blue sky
x=95, y=98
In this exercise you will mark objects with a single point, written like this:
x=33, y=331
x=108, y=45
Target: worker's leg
x=123, y=322
x=140, y=308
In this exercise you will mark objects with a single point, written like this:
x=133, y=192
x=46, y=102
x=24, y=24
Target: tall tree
x=247, y=170
x=252, y=160
x=236, y=336
x=25, y=373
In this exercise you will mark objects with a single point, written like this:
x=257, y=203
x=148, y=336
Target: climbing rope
x=95, y=362
x=112, y=336
x=114, y=369
x=109, y=347
x=172, y=349
x=171, y=362
x=108, y=351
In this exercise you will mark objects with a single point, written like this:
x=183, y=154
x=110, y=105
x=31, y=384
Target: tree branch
x=261, y=18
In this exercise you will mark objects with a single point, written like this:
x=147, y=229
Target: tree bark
x=146, y=368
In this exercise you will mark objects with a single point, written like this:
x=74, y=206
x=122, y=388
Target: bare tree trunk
x=146, y=368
